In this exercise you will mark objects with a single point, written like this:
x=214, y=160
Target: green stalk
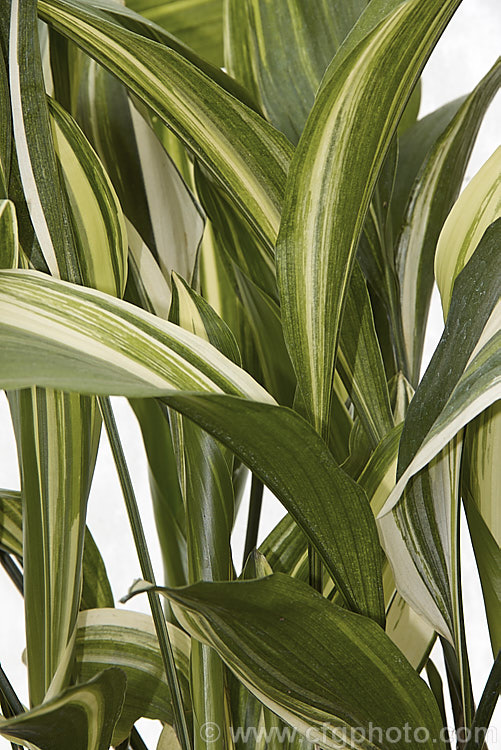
x=255, y=506
x=486, y=707
x=9, y=695
x=12, y=571
x=147, y=572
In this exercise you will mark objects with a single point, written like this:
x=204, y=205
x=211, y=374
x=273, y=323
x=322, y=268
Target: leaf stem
x=255, y=506
x=146, y=571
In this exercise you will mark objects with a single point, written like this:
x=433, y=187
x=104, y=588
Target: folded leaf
x=82, y=717
x=160, y=358
x=319, y=667
x=128, y=639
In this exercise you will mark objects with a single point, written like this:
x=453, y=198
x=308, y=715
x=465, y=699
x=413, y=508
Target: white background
x=466, y=51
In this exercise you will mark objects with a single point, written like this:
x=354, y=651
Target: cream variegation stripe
x=90, y=710
x=210, y=121
x=477, y=389
x=176, y=223
x=433, y=193
x=30, y=185
x=332, y=176
x=148, y=356
x=476, y=208
x=97, y=216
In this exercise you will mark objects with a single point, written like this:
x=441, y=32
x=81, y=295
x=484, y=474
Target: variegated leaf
x=331, y=180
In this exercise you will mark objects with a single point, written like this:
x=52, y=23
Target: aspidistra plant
x=229, y=212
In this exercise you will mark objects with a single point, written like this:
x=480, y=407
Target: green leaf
x=5, y=130
x=247, y=156
x=284, y=76
x=109, y=636
x=82, y=717
x=284, y=642
x=96, y=589
x=9, y=247
x=435, y=189
x=36, y=157
x=204, y=472
x=279, y=446
x=164, y=487
x=332, y=176
x=198, y=23
x=160, y=358
x=57, y=437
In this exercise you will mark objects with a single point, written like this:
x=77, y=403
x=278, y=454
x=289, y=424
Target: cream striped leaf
x=199, y=23
x=476, y=208
x=11, y=525
x=204, y=472
x=472, y=322
x=48, y=326
x=54, y=431
x=82, y=717
x=479, y=204
x=120, y=348
x=434, y=192
x=96, y=214
x=9, y=245
x=480, y=490
x=418, y=521
x=343, y=662
x=280, y=51
x=34, y=145
x=108, y=637
x=331, y=180
x=160, y=209
x=96, y=590
x=247, y=156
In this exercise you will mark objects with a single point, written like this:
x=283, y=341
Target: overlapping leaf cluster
x=229, y=213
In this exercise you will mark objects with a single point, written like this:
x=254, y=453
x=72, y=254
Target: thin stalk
x=147, y=572
x=255, y=506
x=315, y=569
x=12, y=571
x=485, y=710
x=136, y=741
x=9, y=695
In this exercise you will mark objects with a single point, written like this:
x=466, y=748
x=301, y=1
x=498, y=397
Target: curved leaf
x=108, y=637
x=332, y=176
x=82, y=717
x=246, y=155
x=125, y=350
x=285, y=642
x=433, y=194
